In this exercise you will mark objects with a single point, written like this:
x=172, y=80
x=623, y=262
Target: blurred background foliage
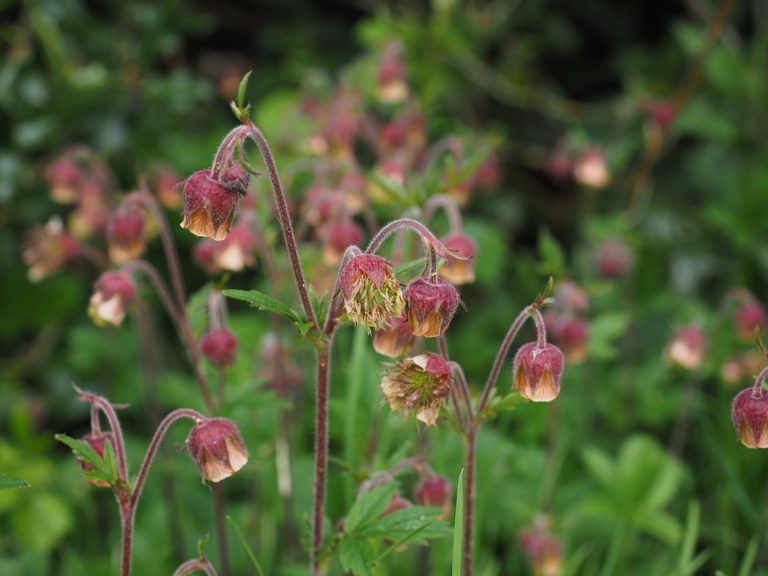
x=636, y=467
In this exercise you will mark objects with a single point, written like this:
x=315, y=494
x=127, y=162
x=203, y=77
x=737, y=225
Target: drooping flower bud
x=390, y=77
x=688, y=347
x=235, y=253
x=219, y=346
x=113, y=294
x=204, y=254
x=63, y=177
x=614, y=258
x=749, y=316
x=749, y=414
x=591, y=169
x=435, y=491
x=47, y=249
x=339, y=236
x=431, y=306
x=126, y=234
x=573, y=335
x=218, y=448
x=420, y=383
x=544, y=549
x=97, y=442
x=461, y=270
x=167, y=187
x=538, y=371
x=372, y=294
x=209, y=205
x=395, y=340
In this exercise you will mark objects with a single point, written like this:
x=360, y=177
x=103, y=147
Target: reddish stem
x=321, y=450
x=448, y=205
x=757, y=389
x=469, y=499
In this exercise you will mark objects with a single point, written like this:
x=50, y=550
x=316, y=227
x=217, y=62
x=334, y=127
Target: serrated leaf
x=368, y=507
x=8, y=483
x=264, y=302
x=356, y=556
x=404, y=522
x=104, y=468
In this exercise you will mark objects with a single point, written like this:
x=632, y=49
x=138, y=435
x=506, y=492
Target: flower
x=431, y=306
x=544, y=549
x=126, y=234
x=749, y=414
x=217, y=448
x=538, y=371
x=459, y=270
x=235, y=253
x=573, y=335
x=392, y=86
x=47, y=249
x=395, y=340
x=688, y=347
x=614, y=258
x=338, y=237
x=750, y=315
x=166, y=183
x=219, y=346
x=435, y=491
x=591, y=169
x=372, y=295
x=64, y=175
x=209, y=205
x=113, y=293
x=419, y=383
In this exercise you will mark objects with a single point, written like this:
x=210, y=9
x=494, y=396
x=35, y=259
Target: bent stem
x=450, y=208
x=196, y=565
x=129, y=500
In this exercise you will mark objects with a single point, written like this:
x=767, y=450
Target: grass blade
x=248, y=550
x=458, y=526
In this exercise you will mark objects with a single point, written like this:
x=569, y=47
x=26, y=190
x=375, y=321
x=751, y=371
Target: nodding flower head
x=372, y=295
x=613, y=258
x=749, y=414
x=750, y=315
x=459, y=270
x=538, y=371
x=217, y=448
x=391, y=78
x=219, y=346
x=591, y=169
x=113, y=294
x=126, y=234
x=235, y=253
x=209, y=205
x=435, y=491
x=688, y=347
x=97, y=441
x=338, y=237
x=420, y=383
x=431, y=306
x=395, y=340
x=47, y=249
x=64, y=176
x=166, y=184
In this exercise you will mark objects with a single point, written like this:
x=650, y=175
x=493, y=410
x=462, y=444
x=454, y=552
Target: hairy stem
x=469, y=499
x=285, y=222
x=195, y=565
x=448, y=205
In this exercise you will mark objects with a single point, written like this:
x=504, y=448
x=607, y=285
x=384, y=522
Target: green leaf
x=7, y=483
x=104, y=468
x=369, y=507
x=458, y=527
x=356, y=556
x=242, y=88
x=409, y=266
x=264, y=302
x=552, y=255
x=245, y=545
x=600, y=466
x=418, y=522
x=197, y=310
x=503, y=404
x=749, y=556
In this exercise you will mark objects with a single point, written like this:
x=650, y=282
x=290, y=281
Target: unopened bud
x=459, y=270
x=209, y=206
x=113, y=294
x=749, y=414
x=614, y=258
x=749, y=316
x=435, y=491
x=217, y=448
x=688, y=347
x=97, y=442
x=339, y=236
x=219, y=346
x=395, y=340
x=538, y=371
x=431, y=306
x=126, y=234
